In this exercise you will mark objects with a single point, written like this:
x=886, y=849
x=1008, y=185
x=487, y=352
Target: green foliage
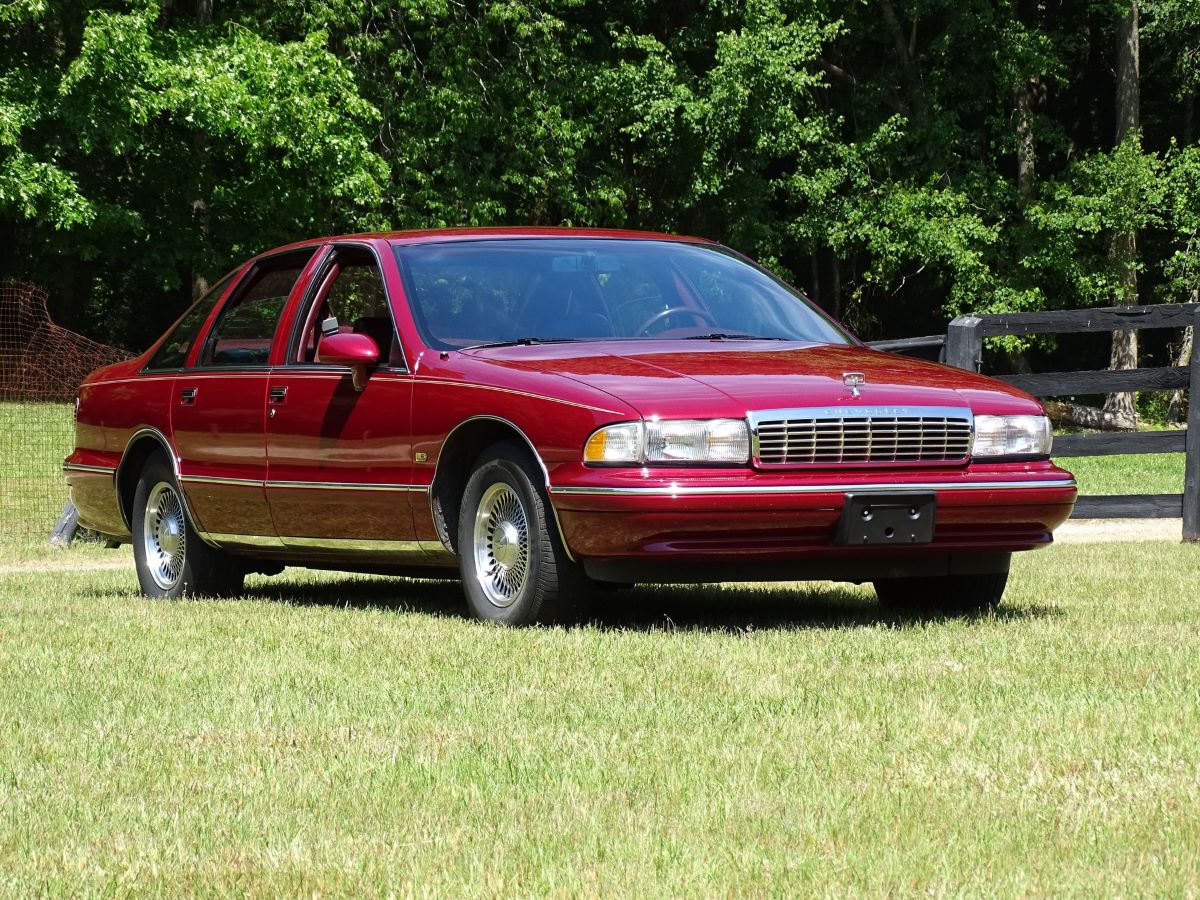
x=1181, y=192
x=1100, y=194
x=867, y=151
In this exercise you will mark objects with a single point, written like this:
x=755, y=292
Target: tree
x=904, y=161
x=1124, y=240
x=169, y=147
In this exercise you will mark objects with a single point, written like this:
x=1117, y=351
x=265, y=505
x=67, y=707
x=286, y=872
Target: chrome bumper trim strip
x=85, y=467
x=718, y=490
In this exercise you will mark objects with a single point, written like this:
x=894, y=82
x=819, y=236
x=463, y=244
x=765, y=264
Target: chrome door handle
x=187, y=396
x=278, y=394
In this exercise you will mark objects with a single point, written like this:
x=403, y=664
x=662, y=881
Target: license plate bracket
x=893, y=519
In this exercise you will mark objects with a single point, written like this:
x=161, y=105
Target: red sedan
x=543, y=410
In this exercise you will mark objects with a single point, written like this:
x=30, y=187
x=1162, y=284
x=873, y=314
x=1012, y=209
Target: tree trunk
x=1026, y=149
x=1123, y=250
x=204, y=14
x=1177, y=411
x=905, y=47
x=835, y=288
x=1061, y=413
x=1026, y=94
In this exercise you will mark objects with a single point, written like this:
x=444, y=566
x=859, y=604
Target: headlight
x=615, y=444
x=670, y=441
x=1012, y=436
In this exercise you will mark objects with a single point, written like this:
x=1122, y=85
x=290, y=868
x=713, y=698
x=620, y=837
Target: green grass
x=1152, y=473
x=331, y=735
x=339, y=735
x=34, y=440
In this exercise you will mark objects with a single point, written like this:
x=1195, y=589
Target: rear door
x=340, y=459
x=219, y=406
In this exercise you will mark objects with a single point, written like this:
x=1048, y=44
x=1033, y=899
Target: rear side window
x=174, y=350
x=246, y=327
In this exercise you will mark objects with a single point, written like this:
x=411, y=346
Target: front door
x=340, y=459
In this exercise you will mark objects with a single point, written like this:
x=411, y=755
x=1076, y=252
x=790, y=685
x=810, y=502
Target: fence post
x=964, y=344
x=1191, y=478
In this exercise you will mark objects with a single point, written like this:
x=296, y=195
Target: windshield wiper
x=522, y=342
x=731, y=336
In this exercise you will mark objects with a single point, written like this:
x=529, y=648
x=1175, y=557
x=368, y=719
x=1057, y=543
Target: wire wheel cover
x=164, y=536
x=501, y=545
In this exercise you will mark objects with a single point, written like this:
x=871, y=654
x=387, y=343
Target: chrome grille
x=839, y=435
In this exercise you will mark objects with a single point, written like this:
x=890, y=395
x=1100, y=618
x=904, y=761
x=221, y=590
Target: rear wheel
x=515, y=569
x=947, y=594
x=171, y=559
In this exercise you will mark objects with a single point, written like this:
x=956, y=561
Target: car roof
x=434, y=235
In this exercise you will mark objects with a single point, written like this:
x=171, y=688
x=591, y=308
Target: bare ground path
x=1101, y=531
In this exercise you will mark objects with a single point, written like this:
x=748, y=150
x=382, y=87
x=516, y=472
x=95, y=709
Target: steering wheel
x=670, y=311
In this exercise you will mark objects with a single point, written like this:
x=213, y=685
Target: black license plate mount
x=893, y=519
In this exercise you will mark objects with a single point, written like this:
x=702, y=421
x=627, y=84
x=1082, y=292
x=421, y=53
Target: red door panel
x=218, y=428
x=340, y=460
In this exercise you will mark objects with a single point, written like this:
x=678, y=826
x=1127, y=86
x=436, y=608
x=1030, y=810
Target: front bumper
x=650, y=516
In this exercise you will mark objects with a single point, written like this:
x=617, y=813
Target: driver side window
x=350, y=298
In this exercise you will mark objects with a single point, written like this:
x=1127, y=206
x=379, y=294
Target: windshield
x=467, y=293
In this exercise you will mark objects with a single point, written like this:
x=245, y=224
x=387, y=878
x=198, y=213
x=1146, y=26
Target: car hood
x=730, y=378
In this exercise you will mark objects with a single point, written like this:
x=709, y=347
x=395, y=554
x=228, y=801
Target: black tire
x=531, y=580
x=942, y=594
x=172, y=561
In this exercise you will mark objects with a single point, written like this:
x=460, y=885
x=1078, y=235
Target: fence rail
x=962, y=346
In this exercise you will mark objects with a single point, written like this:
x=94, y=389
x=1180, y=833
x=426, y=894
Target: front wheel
x=515, y=570
x=942, y=594
x=171, y=559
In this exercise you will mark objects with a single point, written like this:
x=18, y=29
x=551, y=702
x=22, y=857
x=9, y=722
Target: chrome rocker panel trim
x=302, y=485
x=423, y=550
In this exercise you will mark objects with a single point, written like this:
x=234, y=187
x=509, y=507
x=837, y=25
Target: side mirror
x=358, y=351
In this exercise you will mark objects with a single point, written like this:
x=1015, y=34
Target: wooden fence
x=962, y=346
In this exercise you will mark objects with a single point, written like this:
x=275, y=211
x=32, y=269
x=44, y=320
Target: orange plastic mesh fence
x=41, y=367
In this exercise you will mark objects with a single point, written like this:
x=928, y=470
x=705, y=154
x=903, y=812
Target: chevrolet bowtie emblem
x=854, y=380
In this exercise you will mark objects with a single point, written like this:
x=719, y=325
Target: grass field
x=329, y=735
x=335, y=735
x=34, y=439
x=1152, y=473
